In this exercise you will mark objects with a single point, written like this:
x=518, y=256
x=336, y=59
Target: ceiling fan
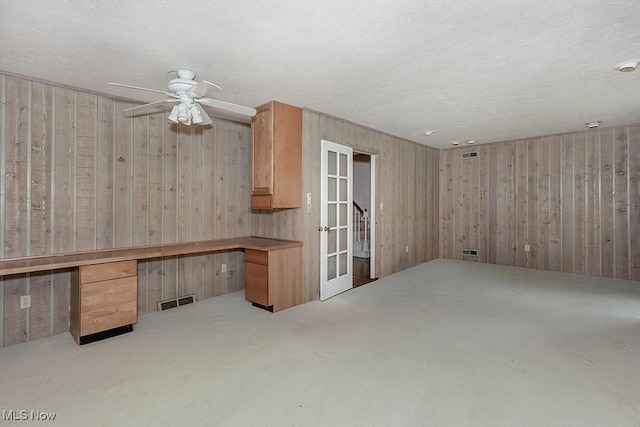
x=189, y=97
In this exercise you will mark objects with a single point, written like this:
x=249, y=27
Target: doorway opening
x=363, y=218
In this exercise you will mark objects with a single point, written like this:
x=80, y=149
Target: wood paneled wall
x=407, y=187
x=574, y=199
x=77, y=173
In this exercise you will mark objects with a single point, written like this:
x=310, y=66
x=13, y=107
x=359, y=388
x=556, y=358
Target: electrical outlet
x=527, y=248
x=25, y=301
x=223, y=268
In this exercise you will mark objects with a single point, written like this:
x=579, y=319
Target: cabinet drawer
x=261, y=202
x=256, y=283
x=108, y=304
x=256, y=257
x=107, y=271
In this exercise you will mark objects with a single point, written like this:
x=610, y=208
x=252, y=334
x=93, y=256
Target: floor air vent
x=470, y=252
x=176, y=302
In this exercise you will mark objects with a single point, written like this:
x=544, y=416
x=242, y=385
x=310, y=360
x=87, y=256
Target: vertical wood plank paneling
x=3, y=121
x=85, y=173
x=593, y=204
x=62, y=182
x=170, y=264
x=579, y=212
x=458, y=211
x=140, y=191
x=443, y=206
x=243, y=202
x=512, y=209
x=634, y=202
x=15, y=160
x=482, y=188
x=521, y=197
x=197, y=209
x=40, y=313
x=466, y=192
x=532, y=203
x=543, y=206
x=311, y=138
x=621, y=215
x=16, y=157
x=579, y=205
x=220, y=285
x=492, y=208
x=397, y=167
x=231, y=152
x=501, y=208
x=432, y=177
x=607, y=204
x=123, y=169
x=209, y=188
x=555, y=203
x=567, y=198
x=41, y=138
x=155, y=206
x=104, y=173
x=184, y=200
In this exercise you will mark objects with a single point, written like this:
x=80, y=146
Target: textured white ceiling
x=488, y=70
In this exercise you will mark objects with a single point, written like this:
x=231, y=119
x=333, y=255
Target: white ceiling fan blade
x=204, y=88
x=206, y=120
x=144, y=88
x=228, y=106
x=152, y=104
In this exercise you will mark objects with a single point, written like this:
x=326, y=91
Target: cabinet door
x=256, y=286
x=108, y=304
x=262, y=151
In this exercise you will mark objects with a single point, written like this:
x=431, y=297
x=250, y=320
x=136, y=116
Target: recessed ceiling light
x=628, y=66
x=455, y=142
x=593, y=125
x=428, y=132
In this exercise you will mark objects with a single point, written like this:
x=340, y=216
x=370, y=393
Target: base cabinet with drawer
x=103, y=300
x=273, y=279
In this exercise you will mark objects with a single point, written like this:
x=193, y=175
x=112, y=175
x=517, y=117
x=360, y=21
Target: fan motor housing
x=180, y=85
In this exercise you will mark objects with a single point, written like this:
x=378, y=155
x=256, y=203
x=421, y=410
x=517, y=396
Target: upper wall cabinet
x=276, y=139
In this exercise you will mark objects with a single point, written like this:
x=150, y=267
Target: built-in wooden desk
x=104, y=282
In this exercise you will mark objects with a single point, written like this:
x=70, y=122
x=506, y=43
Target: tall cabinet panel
x=276, y=135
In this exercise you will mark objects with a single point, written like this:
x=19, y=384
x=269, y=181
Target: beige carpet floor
x=447, y=343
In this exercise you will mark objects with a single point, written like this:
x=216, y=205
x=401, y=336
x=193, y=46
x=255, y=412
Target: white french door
x=336, y=263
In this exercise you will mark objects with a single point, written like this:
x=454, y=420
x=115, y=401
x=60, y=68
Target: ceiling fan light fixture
x=173, y=116
x=196, y=117
x=183, y=113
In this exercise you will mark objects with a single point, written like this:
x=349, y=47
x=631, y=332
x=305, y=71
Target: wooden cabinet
x=103, y=298
x=276, y=142
x=273, y=279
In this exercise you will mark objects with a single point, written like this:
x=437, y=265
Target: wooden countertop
x=76, y=259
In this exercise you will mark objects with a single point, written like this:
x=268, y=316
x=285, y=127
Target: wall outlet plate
x=25, y=301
